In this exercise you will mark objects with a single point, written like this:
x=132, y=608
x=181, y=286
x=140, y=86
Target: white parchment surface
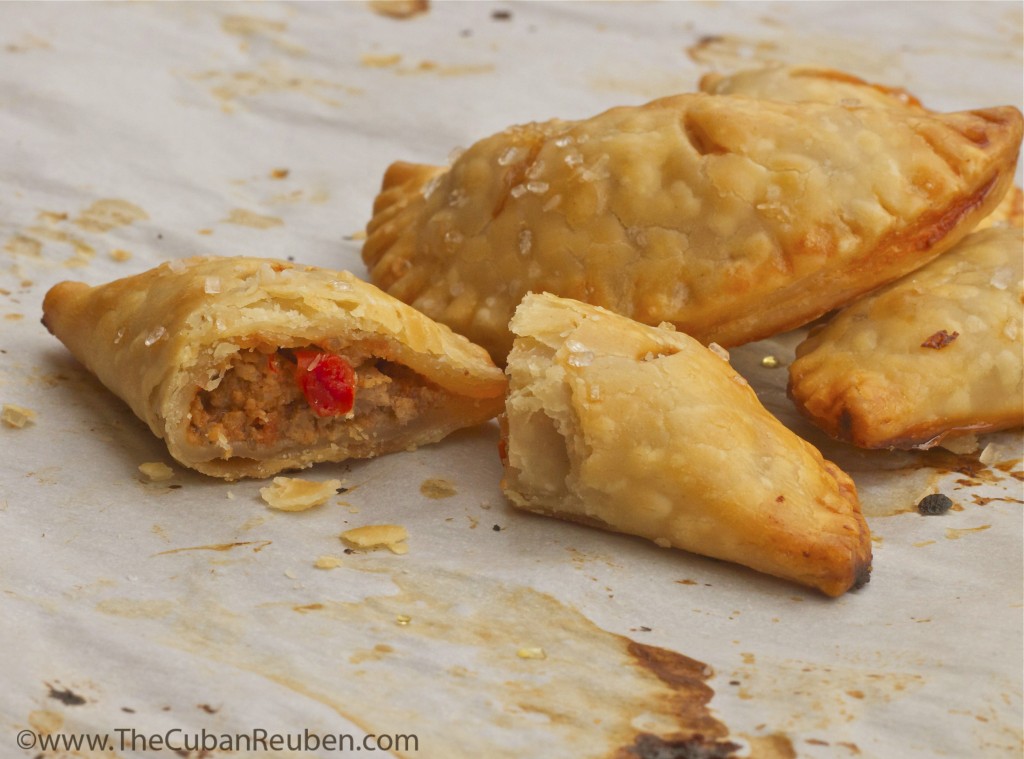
x=135, y=133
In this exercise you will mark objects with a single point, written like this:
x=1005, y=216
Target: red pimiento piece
x=327, y=381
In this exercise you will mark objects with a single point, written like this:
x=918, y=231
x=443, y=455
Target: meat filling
x=259, y=404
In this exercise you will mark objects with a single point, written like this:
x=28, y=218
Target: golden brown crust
x=642, y=430
x=933, y=356
x=807, y=84
x=731, y=217
x=157, y=338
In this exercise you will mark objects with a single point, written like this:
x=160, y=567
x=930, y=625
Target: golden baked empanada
x=935, y=355
x=806, y=84
x=247, y=367
x=731, y=217
x=643, y=430
x=812, y=85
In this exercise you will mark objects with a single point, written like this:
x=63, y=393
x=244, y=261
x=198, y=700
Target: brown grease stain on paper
x=230, y=88
x=244, y=218
x=252, y=28
x=52, y=226
x=259, y=546
x=456, y=636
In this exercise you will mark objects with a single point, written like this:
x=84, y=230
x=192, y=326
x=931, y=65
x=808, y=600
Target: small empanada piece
x=247, y=367
x=933, y=356
x=808, y=84
x=733, y=218
x=643, y=430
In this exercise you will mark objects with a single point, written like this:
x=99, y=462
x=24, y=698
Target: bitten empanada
x=247, y=367
x=933, y=356
x=732, y=217
x=643, y=430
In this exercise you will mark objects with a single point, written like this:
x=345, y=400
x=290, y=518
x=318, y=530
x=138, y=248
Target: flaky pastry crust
x=808, y=84
x=643, y=430
x=931, y=357
x=165, y=340
x=732, y=217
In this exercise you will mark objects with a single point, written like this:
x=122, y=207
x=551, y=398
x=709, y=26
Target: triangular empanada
x=933, y=356
x=732, y=217
x=643, y=430
x=247, y=367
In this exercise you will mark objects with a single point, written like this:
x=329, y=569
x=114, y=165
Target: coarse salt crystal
x=583, y=358
x=719, y=351
x=525, y=241
x=518, y=191
x=564, y=141
x=1001, y=278
x=537, y=188
x=212, y=285
x=511, y=155
x=455, y=154
x=177, y=265
x=552, y=203
x=119, y=335
x=155, y=336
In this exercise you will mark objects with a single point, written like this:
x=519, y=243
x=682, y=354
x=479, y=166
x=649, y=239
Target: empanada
x=813, y=85
x=733, y=218
x=935, y=355
x=806, y=84
x=643, y=430
x=247, y=367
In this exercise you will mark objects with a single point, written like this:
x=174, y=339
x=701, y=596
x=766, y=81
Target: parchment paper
x=135, y=133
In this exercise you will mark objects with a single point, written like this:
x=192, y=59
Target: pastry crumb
x=438, y=487
x=17, y=416
x=327, y=562
x=156, y=471
x=371, y=536
x=120, y=255
x=531, y=652
x=294, y=494
x=960, y=444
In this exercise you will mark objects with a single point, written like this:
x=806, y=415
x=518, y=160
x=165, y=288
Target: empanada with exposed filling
x=732, y=217
x=643, y=430
x=933, y=356
x=247, y=367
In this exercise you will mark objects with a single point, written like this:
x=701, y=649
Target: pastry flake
x=643, y=430
x=732, y=217
x=927, y=359
x=248, y=367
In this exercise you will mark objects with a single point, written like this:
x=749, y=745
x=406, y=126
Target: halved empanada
x=247, y=367
x=643, y=430
x=731, y=217
x=933, y=356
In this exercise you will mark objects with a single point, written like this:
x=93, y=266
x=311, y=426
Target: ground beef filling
x=258, y=404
